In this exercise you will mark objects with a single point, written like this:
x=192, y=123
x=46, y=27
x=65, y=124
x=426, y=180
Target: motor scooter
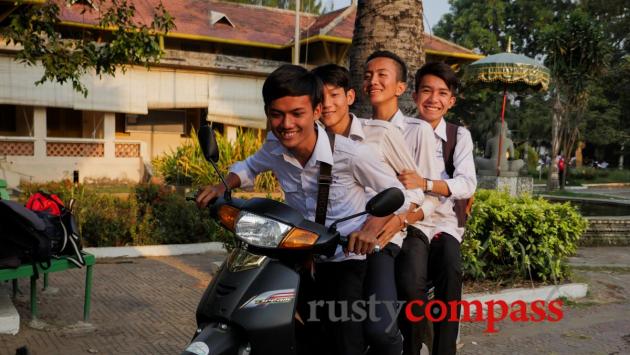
x=249, y=307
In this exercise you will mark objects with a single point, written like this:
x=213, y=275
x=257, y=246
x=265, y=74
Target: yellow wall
x=157, y=143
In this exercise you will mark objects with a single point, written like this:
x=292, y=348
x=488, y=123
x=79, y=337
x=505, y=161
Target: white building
x=213, y=69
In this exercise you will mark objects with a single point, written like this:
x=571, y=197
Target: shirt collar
x=321, y=153
x=356, y=129
x=440, y=130
x=398, y=120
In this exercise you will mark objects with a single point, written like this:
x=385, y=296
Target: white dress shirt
x=353, y=168
x=462, y=185
x=385, y=138
x=419, y=137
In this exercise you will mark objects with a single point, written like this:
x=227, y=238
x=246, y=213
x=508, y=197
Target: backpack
x=22, y=237
x=60, y=226
x=462, y=207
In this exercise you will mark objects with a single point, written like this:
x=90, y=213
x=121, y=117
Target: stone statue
x=578, y=154
x=508, y=165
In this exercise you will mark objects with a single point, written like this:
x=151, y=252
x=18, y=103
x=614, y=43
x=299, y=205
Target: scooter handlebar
x=343, y=241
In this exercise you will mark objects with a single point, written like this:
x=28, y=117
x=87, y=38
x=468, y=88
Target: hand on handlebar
x=361, y=243
x=208, y=194
x=389, y=230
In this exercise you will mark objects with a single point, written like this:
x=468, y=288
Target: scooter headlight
x=260, y=231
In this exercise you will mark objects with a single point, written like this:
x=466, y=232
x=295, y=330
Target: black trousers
x=445, y=270
x=341, y=283
x=382, y=333
x=411, y=281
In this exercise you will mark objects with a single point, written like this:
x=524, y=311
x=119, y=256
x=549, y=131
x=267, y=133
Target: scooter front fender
x=260, y=302
x=214, y=339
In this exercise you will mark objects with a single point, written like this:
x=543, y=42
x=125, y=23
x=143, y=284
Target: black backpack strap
x=461, y=207
x=448, y=148
x=323, y=185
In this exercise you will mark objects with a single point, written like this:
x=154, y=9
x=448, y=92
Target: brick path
x=147, y=306
x=139, y=306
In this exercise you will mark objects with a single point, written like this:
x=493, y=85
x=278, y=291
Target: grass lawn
x=587, y=175
x=566, y=193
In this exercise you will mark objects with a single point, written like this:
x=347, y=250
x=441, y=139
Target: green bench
x=26, y=270
x=4, y=194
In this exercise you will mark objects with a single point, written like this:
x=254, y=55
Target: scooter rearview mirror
x=208, y=143
x=385, y=202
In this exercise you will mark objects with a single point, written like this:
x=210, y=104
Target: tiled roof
x=253, y=25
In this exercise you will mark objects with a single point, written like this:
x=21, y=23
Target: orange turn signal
x=227, y=216
x=299, y=239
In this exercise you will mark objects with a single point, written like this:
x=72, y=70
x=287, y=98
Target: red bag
x=561, y=164
x=44, y=202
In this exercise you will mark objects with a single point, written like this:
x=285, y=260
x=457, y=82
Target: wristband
x=404, y=222
x=429, y=185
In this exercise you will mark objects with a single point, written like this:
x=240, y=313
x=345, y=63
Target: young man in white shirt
x=294, y=150
x=384, y=81
x=436, y=87
x=382, y=335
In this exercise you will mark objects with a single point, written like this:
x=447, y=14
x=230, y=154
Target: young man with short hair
x=294, y=150
x=382, y=335
x=436, y=87
x=384, y=81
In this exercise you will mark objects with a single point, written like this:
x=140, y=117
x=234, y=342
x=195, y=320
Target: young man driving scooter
x=294, y=150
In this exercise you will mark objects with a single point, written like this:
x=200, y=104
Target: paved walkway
x=597, y=324
x=139, y=306
x=147, y=306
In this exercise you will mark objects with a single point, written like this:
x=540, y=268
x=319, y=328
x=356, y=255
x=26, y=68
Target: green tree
x=577, y=53
x=486, y=28
x=66, y=57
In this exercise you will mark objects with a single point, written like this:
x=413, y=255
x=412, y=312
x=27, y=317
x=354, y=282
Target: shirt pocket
x=288, y=186
x=336, y=196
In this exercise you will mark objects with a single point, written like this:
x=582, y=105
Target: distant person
x=561, y=169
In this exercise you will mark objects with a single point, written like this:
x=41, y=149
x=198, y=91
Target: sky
x=433, y=9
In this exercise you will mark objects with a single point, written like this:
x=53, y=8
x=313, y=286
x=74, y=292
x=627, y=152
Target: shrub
x=187, y=166
x=587, y=173
x=532, y=158
x=519, y=237
x=150, y=215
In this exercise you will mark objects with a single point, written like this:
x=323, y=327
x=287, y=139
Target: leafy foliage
x=149, y=215
x=66, y=58
x=187, y=166
x=586, y=44
x=519, y=237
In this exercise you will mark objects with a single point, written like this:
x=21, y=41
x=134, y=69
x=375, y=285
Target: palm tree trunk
x=394, y=25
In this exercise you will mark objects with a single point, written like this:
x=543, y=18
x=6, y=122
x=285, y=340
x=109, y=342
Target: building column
x=109, y=134
x=230, y=133
x=39, y=132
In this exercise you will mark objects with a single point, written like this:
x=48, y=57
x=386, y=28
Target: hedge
x=519, y=237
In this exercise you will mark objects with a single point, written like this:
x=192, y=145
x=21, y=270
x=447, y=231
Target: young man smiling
x=436, y=86
x=382, y=335
x=384, y=81
x=294, y=150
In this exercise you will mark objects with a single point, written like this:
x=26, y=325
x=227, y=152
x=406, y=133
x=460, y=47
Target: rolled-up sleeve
x=464, y=181
x=377, y=175
x=248, y=169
